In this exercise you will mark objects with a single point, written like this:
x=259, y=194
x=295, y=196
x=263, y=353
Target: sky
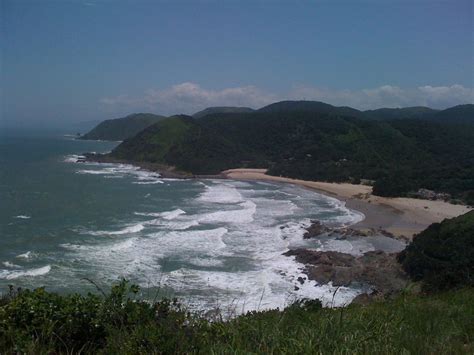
x=69, y=61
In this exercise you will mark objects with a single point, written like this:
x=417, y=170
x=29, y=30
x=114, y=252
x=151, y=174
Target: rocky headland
x=377, y=271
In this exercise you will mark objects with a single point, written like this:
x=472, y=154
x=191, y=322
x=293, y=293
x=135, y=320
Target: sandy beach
x=402, y=217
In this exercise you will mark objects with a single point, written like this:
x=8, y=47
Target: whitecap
x=127, y=230
x=166, y=215
x=205, y=240
x=173, y=224
x=93, y=172
x=10, y=265
x=26, y=255
x=172, y=214
x=73, y=158
x=22, y=217
x=151, y=182
x=244, y=215
x=14, y=274
x=220, y=193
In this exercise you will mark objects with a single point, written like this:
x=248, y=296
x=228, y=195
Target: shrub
x=442, y=256
x=38, y=322
x=76, y=323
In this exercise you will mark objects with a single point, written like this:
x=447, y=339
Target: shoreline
x=399, y=216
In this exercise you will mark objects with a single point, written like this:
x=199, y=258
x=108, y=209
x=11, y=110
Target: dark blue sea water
x=211, y=242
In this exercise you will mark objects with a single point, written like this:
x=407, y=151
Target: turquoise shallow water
x=212, y=242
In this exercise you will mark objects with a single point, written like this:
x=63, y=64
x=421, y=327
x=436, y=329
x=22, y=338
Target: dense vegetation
x=442, y=256
x=401, y=155
x=122, y=128
x=37, y=322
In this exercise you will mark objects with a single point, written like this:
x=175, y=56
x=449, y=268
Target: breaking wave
x=14, y=274
x=219, y=240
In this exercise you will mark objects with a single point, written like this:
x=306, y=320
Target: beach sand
x=402, y=217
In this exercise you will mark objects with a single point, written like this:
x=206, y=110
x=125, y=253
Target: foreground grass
x=41, y=322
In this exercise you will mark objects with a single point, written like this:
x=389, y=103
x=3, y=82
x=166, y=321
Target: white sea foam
x=93, y=172
x=73, y=158
x=166, y=215
x=27, y=255
x=148, y=214
x=206, y=240
x=244, y=215
x=355, y=247
x=225, y=244
x=220, y=193
x=173, y=224
x=14, y=274
x=110, y=171
x=22, y=217
x=10, y=265
x=151, y=182
x=127, y=230
x=172, y=214
x=294, y=231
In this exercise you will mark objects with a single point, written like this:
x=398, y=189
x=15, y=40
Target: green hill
x=122, y=128
x=222, y=109
x=154, y=143
x=442, y=256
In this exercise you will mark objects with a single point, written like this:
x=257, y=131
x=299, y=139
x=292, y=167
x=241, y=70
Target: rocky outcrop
x=377, y=269
x=432, y=195
x=317, y=229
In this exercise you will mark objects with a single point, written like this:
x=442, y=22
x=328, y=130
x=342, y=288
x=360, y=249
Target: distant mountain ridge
x=459, y=114
x=127, y=127
x=311, y=106
x=122, y=128
x=222, y=109
x=417, y=112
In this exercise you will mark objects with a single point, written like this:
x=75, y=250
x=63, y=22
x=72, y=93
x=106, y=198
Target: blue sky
x=70, y=61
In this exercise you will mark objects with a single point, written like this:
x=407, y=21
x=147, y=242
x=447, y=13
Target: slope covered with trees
x=442, y=256
x=400, y=155
x=121, y=128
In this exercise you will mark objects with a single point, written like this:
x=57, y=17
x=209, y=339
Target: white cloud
x=190, y=97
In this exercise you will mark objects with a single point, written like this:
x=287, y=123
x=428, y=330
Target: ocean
x=211, y=243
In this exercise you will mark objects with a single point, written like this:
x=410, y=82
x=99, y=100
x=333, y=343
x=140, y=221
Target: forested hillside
x=400, y=155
